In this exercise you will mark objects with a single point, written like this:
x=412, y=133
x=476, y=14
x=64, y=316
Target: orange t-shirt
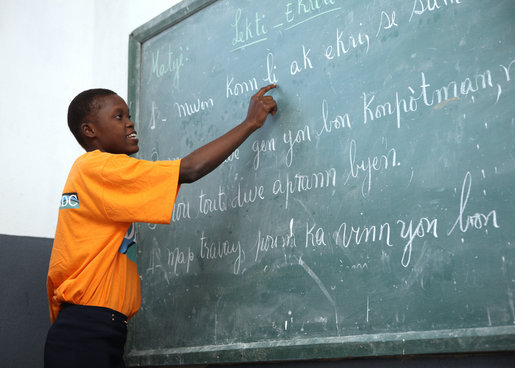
x=103, y=195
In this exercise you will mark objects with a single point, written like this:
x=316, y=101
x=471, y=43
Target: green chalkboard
x=374, y=214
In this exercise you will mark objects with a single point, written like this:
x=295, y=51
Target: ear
x=88, y=130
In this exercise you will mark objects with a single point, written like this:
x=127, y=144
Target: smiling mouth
x=133, y=136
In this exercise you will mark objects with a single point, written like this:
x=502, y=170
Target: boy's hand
x=260, y=106
x=206, y=158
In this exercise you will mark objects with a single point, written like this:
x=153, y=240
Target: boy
x=93, y=288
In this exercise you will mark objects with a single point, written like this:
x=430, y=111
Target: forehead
x=109, y=102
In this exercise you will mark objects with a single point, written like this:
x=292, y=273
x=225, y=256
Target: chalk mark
x=287, y=28
x=322, y=288
x=216, y=316
x=443, y=103
x=249, y=44
x=305, y=208
x=512, y=307
x=311, y=18
x=499, y=91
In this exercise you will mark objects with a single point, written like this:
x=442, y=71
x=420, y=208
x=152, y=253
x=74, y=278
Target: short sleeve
x=138, y=190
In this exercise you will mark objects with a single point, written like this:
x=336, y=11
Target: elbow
x=189, y=172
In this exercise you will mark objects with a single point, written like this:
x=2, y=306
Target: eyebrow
x=120, y=108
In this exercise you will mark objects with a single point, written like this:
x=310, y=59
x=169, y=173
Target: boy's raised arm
x=206, y=158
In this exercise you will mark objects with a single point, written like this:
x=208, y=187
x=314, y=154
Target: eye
x=118, y=116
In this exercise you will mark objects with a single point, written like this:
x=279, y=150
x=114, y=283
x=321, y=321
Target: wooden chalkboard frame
x=388, y=344
x=484, y=339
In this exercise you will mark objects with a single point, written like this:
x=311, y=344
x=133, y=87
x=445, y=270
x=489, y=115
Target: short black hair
x=81, y=107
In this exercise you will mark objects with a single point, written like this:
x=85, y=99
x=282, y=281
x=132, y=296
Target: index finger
x=265, y=89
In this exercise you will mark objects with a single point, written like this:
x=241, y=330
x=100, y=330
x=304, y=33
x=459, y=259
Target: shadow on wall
x=24, y=317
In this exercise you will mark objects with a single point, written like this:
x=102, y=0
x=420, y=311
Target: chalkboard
x=372, y=215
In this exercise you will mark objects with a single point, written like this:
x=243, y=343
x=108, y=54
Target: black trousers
x=84, y=336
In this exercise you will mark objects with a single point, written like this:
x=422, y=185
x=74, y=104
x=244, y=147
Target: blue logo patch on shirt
x=69, y=200
x=129, y=240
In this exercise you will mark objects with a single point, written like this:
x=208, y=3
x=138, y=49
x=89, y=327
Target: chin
x=131, y=150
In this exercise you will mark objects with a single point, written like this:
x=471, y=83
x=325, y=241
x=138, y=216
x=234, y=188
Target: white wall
x=50, y=51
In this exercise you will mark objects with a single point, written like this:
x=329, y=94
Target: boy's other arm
x=207, y=158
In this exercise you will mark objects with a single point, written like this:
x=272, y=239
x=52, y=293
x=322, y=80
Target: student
x=93, y=288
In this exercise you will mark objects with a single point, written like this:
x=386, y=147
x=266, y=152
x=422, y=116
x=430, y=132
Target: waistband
x=102, y=311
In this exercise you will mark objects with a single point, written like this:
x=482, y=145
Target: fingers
x=274, y=109
x=265, y=89
x=267, y=101
x=261, y=105
x=271, y=105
